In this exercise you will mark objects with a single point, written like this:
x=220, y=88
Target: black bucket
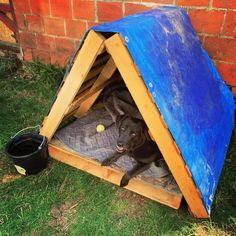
x=28, y=152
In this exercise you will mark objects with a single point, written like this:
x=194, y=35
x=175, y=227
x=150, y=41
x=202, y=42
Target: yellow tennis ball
x=100, y=128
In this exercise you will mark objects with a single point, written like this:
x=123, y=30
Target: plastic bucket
x=28, y=152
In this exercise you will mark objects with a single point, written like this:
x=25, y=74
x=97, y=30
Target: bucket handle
x=30, y=127
x=40, y=146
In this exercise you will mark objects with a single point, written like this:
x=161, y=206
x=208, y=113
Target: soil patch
x=10, y=178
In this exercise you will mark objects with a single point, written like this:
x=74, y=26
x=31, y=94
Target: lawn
x=62, y=200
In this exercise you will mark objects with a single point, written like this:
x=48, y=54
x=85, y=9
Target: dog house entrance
x=79, y=144
x=82, y=137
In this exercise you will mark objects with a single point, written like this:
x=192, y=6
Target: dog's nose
x=120, y=144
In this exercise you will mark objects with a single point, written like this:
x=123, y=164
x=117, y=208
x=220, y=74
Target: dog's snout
x=120, y=144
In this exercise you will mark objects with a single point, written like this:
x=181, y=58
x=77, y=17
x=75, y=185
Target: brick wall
x=50, y=30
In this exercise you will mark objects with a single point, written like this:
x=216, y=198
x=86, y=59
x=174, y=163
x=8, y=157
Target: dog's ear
x=145, y=130
x=119, y=120
x=147, y=135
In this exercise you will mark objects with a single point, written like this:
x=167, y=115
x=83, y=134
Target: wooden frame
x=70, y=102
x=63, y=154
x=93, y=45
x=8, y=18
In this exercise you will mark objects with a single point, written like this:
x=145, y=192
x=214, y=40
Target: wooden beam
x=8, y=21
x=85, y=86
x=153, y=119
x=103, y=58
x=93, y=45
x=114, y=176
x=105, y=75
x=94, y=72
x=4, y=7
x=83, y=97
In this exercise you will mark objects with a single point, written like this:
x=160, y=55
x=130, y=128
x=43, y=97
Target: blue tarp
x=193, y=99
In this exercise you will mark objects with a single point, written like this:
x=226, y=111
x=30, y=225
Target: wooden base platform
x=167, y=194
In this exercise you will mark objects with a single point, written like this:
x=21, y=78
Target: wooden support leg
x=153, y=119
x=93, y=45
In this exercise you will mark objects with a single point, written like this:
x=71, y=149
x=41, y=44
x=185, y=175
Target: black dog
x=135, y=141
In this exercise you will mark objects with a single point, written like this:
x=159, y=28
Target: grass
x=64, y=201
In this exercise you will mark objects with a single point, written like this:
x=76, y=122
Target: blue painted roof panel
x=193, y=99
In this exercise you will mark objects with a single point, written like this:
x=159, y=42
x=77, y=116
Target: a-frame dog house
x=106, y=48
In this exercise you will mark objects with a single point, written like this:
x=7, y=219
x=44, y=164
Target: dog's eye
x=133, y=134
x=122, y=128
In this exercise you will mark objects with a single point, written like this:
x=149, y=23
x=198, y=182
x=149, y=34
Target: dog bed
x=82, y=137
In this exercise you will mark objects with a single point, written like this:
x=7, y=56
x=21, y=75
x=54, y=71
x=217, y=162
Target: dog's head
x=132, y=133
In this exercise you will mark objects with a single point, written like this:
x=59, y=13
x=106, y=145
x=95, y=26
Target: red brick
x=133, y=1
x=66, y=46
x=158, y=1
x=134, y=8
x=21, y=22
x=42, y=56
x=75, y=28
x=27, y=40
x=40, y=7
x=45, y=42
x=234, y=91
x=196, y=3
x=230, y=24
x=54, y=26
x=35, y=23
x=61, y=8
x=223, y=49
x=92, y=24
x=21, y=6
x=224, y=3
x=60, y=59
x=28, y=55
x=207, y=21
x=228, y=72
x=84, y=9
x=108, y=11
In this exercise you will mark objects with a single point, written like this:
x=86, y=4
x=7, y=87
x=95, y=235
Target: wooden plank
x=85, y=86
x=83, y=97
x=153, y=120
x=101, y=59
x=93, y=45
x=105, y=75
x=114, y=176
x=7, y=22
x=94, y=72
x=6, y=34
x=4, y=7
